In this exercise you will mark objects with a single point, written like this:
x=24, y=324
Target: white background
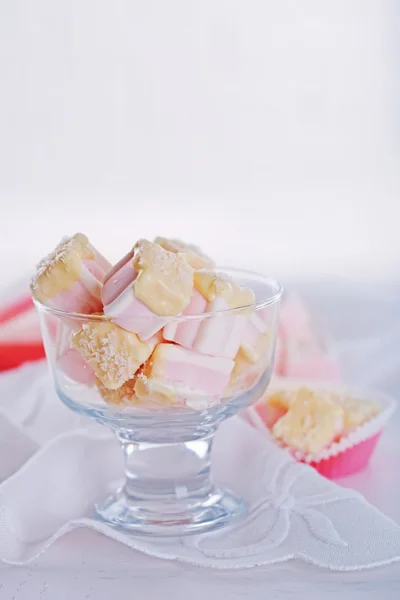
x=265, y=131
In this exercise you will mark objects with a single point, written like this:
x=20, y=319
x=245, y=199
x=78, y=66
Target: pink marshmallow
x=119, y=278
x=181, y=374
x=69, y=360
x=185, y=332
x=165, y=281
x=131, y=314
x=215, y=336
x=78, y=298
x=121, y=304
x=70, y=278
x=74, y=366
x=220, y=335
x=255, y=327
x=101, y=263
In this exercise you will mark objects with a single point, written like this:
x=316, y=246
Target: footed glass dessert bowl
x=165, y=415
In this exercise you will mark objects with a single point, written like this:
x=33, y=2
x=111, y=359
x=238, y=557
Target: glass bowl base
x=216, y=509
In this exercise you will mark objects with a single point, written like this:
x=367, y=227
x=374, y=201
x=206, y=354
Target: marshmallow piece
x=113, y=353
x=179, y=375
x=247, y=372
x=251, y=345
x=216, y=336
x=125, y=395
x=271, y=407
x=70, y=278
x=150, y=391
x=68, y=359
x=357, y=412
x=213, y=286
x=165, y=280
x=148, y=284
x=185, y=332
x=311, y=423
x=72, y=364
x=254, y=355
x=221, y=335
x=118, y=278
x=194, y=255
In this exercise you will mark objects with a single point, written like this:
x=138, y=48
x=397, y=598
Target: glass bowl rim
x=270, y=300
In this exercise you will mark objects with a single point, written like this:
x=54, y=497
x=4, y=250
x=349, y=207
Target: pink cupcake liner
x=353, y=451
x=349, y=461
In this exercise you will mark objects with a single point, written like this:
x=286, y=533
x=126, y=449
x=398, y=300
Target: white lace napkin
x=54, y=465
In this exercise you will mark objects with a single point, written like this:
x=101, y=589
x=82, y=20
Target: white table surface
x=84, y=565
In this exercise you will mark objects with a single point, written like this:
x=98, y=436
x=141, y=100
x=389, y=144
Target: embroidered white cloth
x=54, y=465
